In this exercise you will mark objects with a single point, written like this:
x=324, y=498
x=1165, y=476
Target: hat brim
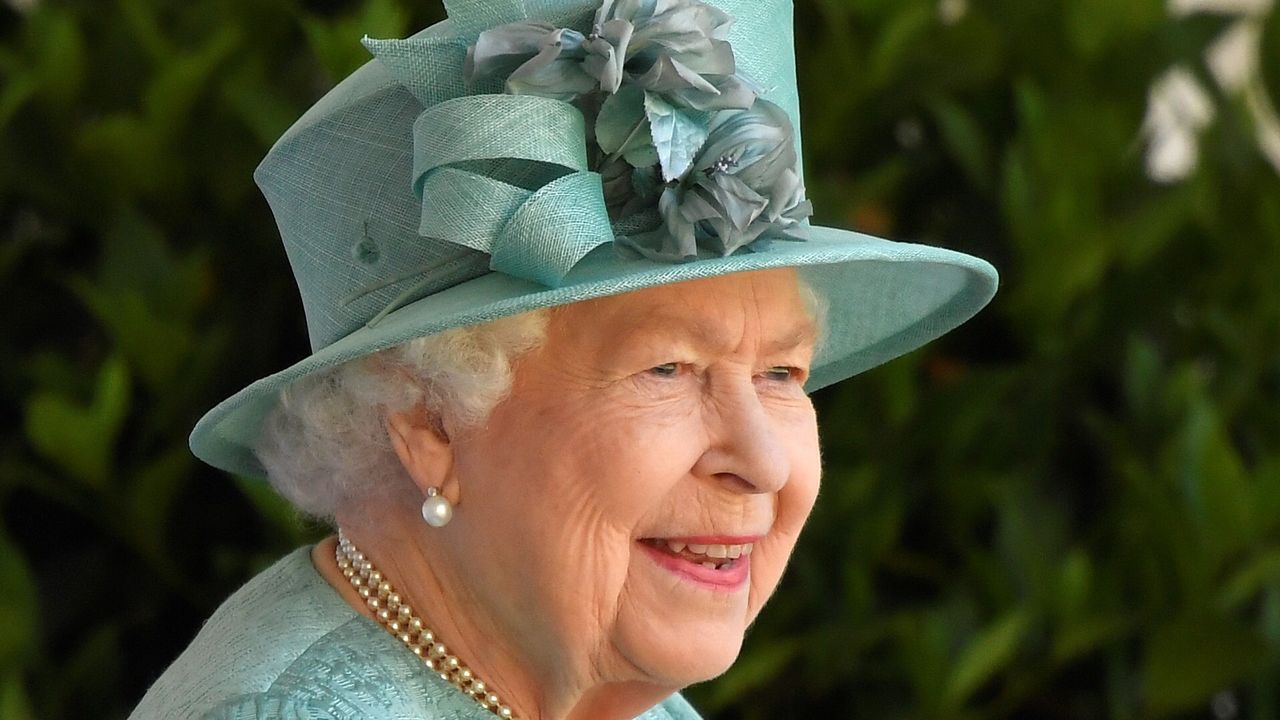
x=884, y=299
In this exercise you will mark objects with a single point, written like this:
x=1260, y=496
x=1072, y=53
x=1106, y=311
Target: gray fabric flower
x=607, y=53
x=675, y=48
x=560, y=63
x=542, y=60
x=742, y=187
x=687, y=153
x=678, y=50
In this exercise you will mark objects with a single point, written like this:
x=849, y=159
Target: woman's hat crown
x=423, y=170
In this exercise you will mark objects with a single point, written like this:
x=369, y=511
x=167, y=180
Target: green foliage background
x=1068, y=509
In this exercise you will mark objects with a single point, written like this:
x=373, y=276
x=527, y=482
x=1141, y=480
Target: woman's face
x=671, y=415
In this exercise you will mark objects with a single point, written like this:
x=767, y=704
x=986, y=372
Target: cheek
x=796, y=500
x=570, y=482
x=794, y=504
x=617, y=461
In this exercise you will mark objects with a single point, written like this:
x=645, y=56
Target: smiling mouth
x=710, y=556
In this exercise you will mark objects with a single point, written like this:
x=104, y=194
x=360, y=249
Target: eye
x=783, y=373
x=670, y=369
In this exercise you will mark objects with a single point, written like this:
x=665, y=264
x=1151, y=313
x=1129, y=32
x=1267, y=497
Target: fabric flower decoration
x=539, y=58
x=673, y=47
x=678, y=50
x=743, y=186
x=686, y=151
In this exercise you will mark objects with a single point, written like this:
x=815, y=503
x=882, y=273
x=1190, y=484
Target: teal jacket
x=287, y=647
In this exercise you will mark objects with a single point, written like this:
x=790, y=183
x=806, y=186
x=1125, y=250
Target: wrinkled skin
x=539, y=583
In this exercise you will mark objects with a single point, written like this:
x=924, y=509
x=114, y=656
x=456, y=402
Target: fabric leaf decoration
x=678, y=133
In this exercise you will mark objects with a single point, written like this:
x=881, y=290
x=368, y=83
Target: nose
x=746, y=448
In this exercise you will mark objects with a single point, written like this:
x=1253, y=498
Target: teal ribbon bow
x=503, y=174
x=507, y=175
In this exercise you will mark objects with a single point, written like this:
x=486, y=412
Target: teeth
x=709, y=565
x=717, y=552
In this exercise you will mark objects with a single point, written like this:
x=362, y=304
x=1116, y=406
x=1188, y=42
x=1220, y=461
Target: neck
x=538, y=683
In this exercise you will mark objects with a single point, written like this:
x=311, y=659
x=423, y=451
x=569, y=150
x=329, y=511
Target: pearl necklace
x=394, y=614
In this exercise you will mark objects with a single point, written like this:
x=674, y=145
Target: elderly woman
x=566, y=309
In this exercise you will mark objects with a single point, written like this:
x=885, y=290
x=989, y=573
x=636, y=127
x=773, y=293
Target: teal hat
x=524, y=154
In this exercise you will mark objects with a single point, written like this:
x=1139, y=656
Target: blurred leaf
x=1075, y=584
x=93, y=668
x=962, y=135
x=150, y=496
x=1262, y=571
x=1143, y=372
x=1081, y=636
x=988, y=653
x=145, y=29
x=900, y=387
x=16, y=92
x=123, y=150
x=1191, y=659
x=1213, y=480
x=81, y=438
x=922, y=639
x=62, y=57
x=896, y=41
x=765, y=664
x=134, y=150
x=336, y=42
x=157, y=346
x=1141, y=234
x=172, y=93
x=146, y=299
x=19, y=615
x=49, y=68
x=1095, y=26
x=259, y=105
x=14, y=703
x=1018, y=193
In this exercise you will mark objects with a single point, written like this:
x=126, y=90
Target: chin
x=688, y=656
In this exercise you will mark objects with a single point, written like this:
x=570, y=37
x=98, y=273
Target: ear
x=421, y=441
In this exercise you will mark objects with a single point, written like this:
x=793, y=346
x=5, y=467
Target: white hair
x=325, y=446
x=325, y=443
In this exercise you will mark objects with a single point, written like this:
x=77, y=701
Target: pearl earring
x=436, y=509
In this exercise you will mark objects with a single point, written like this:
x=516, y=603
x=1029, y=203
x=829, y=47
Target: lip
x=728, y=580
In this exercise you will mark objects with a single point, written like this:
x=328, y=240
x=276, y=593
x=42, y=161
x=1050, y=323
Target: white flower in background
x=1233, y=57
x=1266, y=123
x=1182, y=8
x=1178, y=108
x=951, y=11
x=23, y=6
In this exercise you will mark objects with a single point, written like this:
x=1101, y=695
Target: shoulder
x=250, y=640
x=260, y=706
x=357, y=672
x=290, y=704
